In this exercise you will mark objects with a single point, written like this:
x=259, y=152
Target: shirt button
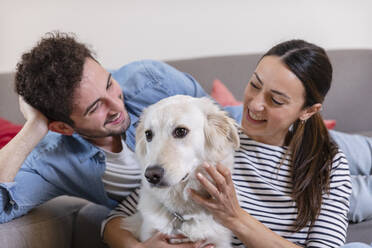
x=11, y=202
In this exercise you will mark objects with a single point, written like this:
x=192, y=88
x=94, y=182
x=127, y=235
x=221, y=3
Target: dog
x=173, y=139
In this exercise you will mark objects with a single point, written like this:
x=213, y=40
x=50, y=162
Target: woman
x=293, y=184
x=290, y=186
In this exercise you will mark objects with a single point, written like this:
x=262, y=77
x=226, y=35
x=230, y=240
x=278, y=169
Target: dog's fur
x=212, y=137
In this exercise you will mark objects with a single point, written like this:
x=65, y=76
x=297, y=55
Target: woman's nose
x=257, y=103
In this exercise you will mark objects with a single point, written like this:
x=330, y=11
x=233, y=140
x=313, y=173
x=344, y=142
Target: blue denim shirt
x=70, y=165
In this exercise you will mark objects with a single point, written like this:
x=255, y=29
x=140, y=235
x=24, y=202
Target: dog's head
x=179, y=133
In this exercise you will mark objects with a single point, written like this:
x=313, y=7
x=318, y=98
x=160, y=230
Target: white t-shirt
x=122, y=174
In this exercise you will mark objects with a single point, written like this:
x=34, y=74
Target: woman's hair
x=310, y=145
x=48, y=75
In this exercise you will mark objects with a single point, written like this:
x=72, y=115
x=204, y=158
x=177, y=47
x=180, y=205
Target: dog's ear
x=219, y=128
x=140, y=139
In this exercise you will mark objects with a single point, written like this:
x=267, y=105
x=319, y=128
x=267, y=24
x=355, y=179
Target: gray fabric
x=361, y=232
x=9, y=109
x=49, y=225
x=87, y=228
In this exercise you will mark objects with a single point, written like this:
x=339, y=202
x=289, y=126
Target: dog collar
x=177, y=221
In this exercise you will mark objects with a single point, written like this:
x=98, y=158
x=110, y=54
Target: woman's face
x=273, y=100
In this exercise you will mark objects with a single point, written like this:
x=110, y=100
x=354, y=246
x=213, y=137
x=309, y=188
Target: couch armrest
x=49, y=225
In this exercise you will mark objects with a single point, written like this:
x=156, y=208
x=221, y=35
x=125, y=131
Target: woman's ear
x=60, y=127
x=310, y=111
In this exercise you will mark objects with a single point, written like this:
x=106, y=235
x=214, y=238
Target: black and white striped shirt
x=262, y=181
x=263, y=184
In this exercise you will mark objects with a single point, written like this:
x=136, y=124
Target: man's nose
x=114, y=103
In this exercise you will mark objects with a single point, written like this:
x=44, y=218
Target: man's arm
x=15, y=152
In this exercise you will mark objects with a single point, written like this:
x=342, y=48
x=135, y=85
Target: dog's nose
x=154, y=174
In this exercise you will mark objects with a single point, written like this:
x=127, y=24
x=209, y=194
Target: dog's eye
x=149, y=135
x=180, y=132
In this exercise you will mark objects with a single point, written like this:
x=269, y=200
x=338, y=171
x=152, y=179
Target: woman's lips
x=254, y=118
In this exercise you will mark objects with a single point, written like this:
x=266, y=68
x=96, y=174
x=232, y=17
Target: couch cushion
x=360, y=232
x=87, y=227
x=49, y=225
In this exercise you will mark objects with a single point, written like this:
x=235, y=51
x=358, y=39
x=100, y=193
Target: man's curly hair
x=48, y=75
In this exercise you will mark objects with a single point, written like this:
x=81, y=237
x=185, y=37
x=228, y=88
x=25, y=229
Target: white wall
x=124, y=30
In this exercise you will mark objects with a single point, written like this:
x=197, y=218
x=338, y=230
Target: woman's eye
x=276, y=102
x=149, y=135
x=180, y=132
x=254, y=86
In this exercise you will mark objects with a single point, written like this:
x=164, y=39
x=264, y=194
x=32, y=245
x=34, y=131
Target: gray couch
x=73, y=222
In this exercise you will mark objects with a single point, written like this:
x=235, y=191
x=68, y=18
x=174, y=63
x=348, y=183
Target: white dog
x=174, y=137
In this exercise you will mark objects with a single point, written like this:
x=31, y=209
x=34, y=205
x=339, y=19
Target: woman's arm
x=15, y=152
x=116, y=237
x=225, y=208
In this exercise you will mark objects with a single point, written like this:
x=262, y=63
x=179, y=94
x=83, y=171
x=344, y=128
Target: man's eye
x=149, y=135
x=94, y=109
x=109, y=84
x=180, y=132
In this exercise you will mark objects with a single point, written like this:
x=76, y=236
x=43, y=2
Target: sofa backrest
x=349, y=101
x=9, y=107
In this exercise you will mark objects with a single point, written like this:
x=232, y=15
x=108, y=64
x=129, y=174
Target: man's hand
x=33, y=116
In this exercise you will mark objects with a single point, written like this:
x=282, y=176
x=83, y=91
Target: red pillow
x=224, y=97
x=7, y=131
x=330, y=124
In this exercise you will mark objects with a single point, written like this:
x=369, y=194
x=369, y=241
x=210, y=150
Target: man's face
x=98, y=105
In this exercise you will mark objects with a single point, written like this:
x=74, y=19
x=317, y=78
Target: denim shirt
x=70, y=165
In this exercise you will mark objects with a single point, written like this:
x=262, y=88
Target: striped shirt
x=262, y=181
x=263, y=184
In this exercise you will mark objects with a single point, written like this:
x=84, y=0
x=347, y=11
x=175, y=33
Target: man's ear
x=310, y=111
x=61, y=127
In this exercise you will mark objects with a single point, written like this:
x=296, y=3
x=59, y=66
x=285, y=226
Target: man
x=92, y=114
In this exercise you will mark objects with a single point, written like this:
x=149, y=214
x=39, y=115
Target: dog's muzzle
x=154, y=175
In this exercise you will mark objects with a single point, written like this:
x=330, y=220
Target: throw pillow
x=223, y=95
x=7, y=131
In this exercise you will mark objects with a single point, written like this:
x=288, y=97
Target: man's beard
x=89, y=134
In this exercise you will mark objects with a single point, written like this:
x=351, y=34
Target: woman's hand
x=223, y=204
x=160, y=240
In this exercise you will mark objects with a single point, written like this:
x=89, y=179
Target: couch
x=72, y=222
